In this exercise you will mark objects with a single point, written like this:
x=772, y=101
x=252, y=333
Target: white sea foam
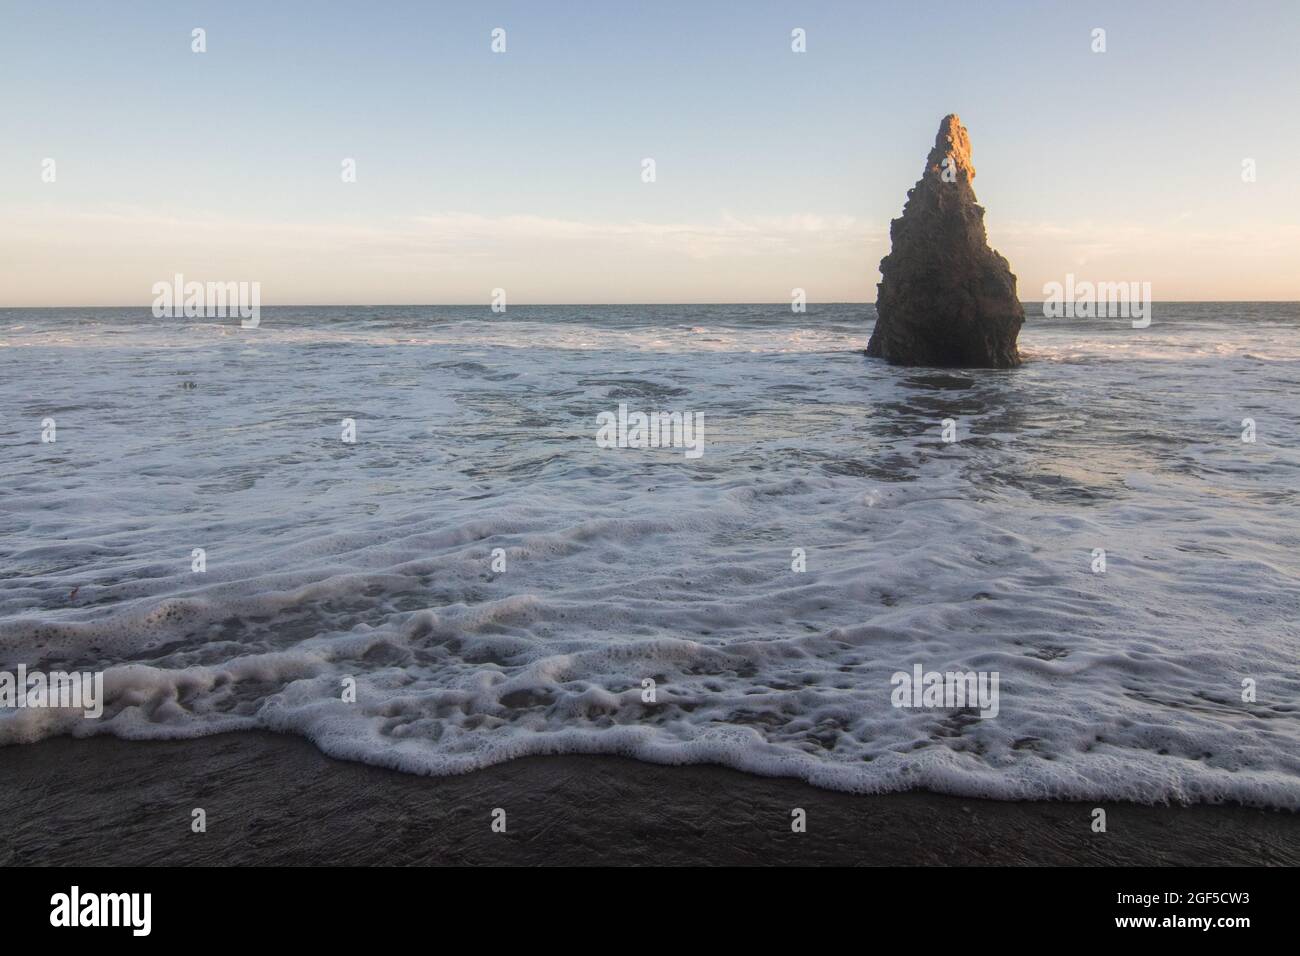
x=372, y=561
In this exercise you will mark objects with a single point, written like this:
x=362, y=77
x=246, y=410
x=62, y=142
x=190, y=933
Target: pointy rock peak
x=951, y=151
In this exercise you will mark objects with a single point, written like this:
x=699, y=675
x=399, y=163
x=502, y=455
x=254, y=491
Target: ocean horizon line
x=588, y=305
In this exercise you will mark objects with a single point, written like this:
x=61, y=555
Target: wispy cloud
x=52, y=254
x=453, y=254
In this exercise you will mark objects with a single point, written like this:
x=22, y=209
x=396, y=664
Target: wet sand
x=273, y=799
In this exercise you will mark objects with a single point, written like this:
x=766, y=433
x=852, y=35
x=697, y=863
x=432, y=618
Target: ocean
x=1110, y=530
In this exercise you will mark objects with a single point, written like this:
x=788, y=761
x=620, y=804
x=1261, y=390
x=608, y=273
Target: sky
x=523, y=170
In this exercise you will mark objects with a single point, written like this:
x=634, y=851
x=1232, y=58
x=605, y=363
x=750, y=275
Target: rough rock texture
x=946, y=299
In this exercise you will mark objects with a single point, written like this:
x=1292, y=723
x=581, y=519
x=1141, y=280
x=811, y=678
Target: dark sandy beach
x=274, y=799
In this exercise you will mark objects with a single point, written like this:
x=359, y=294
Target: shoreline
x=276, y=800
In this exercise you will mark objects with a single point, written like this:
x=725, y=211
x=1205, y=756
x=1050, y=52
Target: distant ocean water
x=373, y=561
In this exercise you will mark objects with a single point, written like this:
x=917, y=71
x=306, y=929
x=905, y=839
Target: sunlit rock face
x=945, y=298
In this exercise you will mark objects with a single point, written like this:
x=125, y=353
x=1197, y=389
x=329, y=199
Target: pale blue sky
x=522, y=170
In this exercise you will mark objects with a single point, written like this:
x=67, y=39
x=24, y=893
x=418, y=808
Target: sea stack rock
x=945, y=298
